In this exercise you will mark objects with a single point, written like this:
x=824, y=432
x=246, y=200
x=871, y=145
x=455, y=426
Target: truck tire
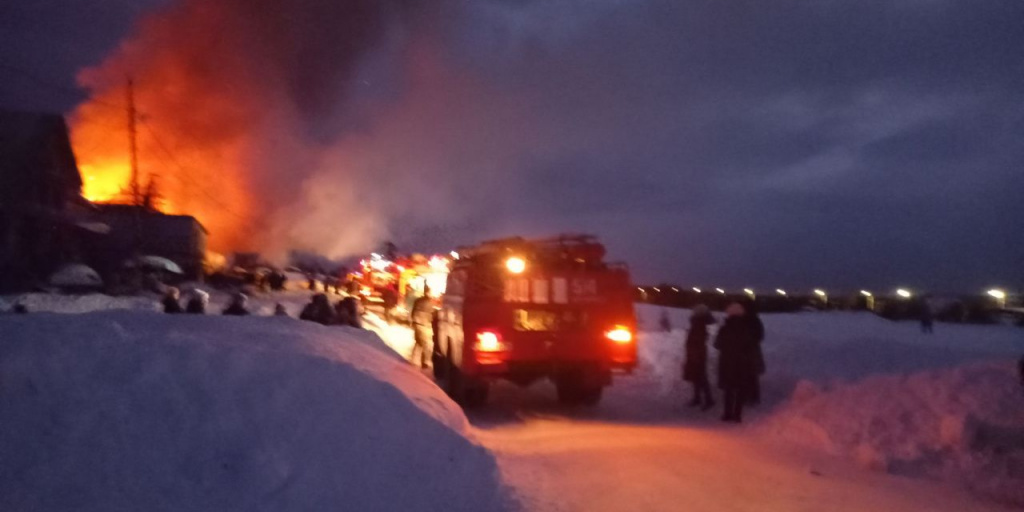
x=572, y=391
x=468, y=392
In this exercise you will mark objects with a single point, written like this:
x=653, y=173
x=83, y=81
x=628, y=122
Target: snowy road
x=621, y=457
x=642, y=449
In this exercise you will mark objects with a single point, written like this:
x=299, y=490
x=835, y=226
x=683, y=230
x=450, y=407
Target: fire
x=102, y=184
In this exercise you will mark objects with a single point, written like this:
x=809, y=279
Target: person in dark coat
x=171, y=302
x=390, y=297
x=237, y=306
x=757, y=328
x=348, y=312
x=927, y=318
x=197, y=301
x=319, y=310
x=737, y=346
x=695, y=366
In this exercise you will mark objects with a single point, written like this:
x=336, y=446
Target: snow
x=948, y=406
x=259, y=413
x=134, y=410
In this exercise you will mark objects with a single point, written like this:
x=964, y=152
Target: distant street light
x=869, y=300
x=822, y=295
x=675, y=289
x=719, y=290
x=696, y=289
x=780, y=291
x=657, y=289
x=748, y=291
x=1000, y=297
x=903, y=293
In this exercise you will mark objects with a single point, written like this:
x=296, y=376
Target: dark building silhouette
x=40, y=197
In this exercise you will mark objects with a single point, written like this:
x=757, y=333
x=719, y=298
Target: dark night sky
x=842, y=144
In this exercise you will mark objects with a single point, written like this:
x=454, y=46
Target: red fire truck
x=523, y=310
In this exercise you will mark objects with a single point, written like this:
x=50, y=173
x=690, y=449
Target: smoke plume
x=280, y=124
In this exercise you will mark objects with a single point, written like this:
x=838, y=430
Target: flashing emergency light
x=489, y=341
x=620, y=334
x=515, y=265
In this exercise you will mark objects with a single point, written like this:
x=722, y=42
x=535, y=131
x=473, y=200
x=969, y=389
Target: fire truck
x=524, y=310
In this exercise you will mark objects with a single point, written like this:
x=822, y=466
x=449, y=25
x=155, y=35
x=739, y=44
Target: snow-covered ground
x=854, y=405
x=135, y=410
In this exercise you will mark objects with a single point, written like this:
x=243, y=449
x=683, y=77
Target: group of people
x=740, y=359
x=320, y=310
x=195, y=303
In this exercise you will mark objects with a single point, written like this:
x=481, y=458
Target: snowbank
x=948, y=405
x=87, y=303
x=963, y=424
x=139, y=411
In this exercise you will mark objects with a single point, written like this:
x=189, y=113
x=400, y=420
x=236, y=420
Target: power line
x=183, y=178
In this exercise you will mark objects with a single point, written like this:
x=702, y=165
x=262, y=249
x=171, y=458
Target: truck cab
x=523, y=310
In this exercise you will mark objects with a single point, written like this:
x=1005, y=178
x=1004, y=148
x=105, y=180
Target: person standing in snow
x=348, y=312
x=927, y=319
x=695, y=366
x=422, y=319
x=319, y=310
x=757, y=329
x=171, y=302
x=665, y=323
x=237, y=306
x=737, y=345
x=197, y=302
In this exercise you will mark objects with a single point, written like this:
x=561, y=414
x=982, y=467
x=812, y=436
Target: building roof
x=37, y=164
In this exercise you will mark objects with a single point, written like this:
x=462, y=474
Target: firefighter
x=422, y=319
x=390, y=297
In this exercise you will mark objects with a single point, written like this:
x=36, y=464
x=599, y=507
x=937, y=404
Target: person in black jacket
x=737, y=346
x=237, y=306
x=319, y=310
x=757, y=329
x=695, y=366
x=197, y=301
x=171, y=301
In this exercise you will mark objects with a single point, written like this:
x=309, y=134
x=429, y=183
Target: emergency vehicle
x=523, y=310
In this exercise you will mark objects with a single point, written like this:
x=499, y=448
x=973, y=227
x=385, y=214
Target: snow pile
x=140, y=411
x=60, y=303
x=948, y=406
x=962, y=424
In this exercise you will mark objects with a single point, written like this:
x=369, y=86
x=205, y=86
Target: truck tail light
x=489, y=341
x=619, y=334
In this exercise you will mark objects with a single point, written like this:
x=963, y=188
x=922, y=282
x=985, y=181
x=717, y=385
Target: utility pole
x=136, y=193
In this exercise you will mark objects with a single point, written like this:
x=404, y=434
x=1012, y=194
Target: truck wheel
x=468, y=392
x=591, y=396
x=475, y=395
x=571, y=391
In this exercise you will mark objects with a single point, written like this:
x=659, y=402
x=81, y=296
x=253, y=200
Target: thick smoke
x=260, y=117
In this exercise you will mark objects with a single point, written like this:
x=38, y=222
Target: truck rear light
x=619, y=334
x=489, y=341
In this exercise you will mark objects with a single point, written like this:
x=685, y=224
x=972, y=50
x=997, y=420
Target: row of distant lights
x=902, y=292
